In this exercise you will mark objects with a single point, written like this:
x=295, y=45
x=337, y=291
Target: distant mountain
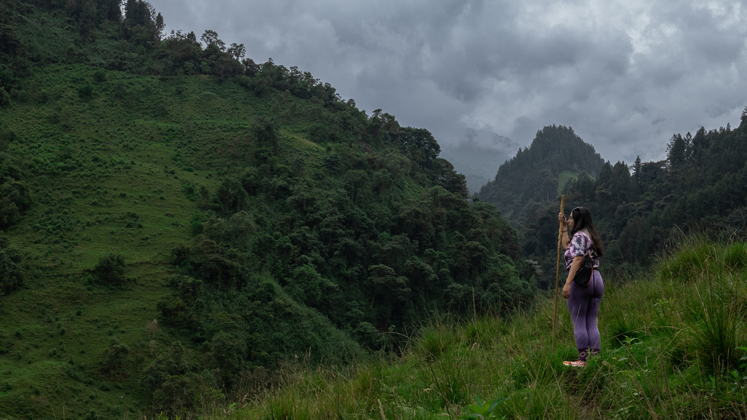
x=478, y=156
x=537, y=174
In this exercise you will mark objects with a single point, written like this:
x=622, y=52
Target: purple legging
x=584, y=307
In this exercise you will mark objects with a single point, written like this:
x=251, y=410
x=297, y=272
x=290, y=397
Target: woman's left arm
x=575, y=265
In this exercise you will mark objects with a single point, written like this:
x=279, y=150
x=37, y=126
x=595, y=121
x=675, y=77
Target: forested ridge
x=178, y=218
x=640, y=208
x=530, y=180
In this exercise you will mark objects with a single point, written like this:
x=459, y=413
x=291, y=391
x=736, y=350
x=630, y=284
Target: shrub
x=14, y=201
x=99, y=76
x=85, y=91
x=116, y=359
x=110, y=270
x=189, y=191
x=92, y=415
x=196, y=223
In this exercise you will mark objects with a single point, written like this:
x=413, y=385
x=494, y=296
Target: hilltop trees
x=141, y=23
x=530, y=180
x=210, y=39
x=700, y=186
x=237, y=51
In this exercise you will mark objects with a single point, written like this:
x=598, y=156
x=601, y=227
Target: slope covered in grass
x=675, y=346
x=174, y=219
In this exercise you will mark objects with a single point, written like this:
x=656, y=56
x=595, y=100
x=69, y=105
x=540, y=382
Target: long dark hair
x=582, y=221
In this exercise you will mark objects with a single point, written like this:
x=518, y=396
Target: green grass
x=675, y=346
x=121, y=190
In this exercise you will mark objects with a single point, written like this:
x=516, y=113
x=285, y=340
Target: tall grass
x=670, y=350
x=673, y=347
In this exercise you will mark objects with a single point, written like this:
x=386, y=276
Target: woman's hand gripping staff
x=576, y=260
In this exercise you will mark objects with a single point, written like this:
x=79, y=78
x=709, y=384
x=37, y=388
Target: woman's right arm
x=564, y=240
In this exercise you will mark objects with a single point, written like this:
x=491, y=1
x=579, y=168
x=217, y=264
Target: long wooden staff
x=557, y=272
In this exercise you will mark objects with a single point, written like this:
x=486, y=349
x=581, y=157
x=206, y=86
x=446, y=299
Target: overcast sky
x=626, y=75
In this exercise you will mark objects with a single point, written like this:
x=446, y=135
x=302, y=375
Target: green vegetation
x=675, y=346
x=638, y=210
x=564, y=177
x=530, y=181
x=185, y=229
x=177, y=218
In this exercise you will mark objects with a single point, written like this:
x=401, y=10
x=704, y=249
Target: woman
x=583, y=302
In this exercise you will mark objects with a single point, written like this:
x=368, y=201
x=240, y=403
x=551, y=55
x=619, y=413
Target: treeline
x=129, y=37
x=527, y=182
x=702, y=185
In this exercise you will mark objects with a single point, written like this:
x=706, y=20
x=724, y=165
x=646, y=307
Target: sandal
x=575, y=363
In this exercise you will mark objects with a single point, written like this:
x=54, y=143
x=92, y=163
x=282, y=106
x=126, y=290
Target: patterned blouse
x=580, y=245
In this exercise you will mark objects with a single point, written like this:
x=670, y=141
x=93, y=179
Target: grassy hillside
x=107, y=175
x=174, y=220
x=675, y=346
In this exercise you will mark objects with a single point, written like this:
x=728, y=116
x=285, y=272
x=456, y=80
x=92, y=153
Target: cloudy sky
x=626, y=75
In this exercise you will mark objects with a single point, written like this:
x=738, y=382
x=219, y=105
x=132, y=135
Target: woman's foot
x=575, y=363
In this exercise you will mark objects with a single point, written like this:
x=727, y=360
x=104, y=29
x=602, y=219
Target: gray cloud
x=625, y=74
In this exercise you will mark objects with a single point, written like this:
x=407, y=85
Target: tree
x=14, y=201
x=110, y=270
x=210, y=37
x=86, y=18
x=159, y=24
x=237, y=51
x=676, y=151
x=418, y=144
x=137, y=13
x=250, y=67
x=265, y=133
x=637, y=171
x=110, y=10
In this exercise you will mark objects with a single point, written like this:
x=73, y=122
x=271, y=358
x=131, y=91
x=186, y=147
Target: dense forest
x=533, y=178
x=177, y=218
x=639, y=208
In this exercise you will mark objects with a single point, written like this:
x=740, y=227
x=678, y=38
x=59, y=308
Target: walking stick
x=557, y=271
